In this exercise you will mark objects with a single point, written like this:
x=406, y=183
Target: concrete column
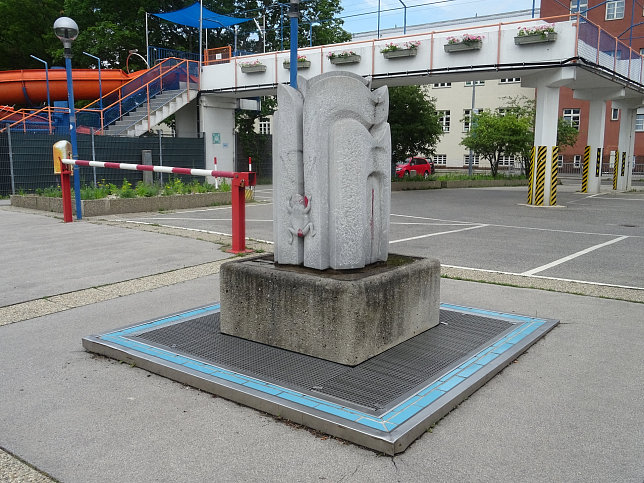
x=628, y=114
x=596, y=126
x=626, y=145
x=547, y=85
x=545, y=135
x=217, y=118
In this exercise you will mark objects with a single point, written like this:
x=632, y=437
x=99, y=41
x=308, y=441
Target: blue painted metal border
x=387, y=422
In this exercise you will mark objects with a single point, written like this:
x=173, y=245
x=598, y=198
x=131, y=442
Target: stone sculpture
x=331, y=161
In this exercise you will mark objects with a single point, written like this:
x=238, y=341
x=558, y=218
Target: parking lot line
x=574, y=255
x=436, y=234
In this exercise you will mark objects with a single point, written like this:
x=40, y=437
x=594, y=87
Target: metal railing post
x=13, y=182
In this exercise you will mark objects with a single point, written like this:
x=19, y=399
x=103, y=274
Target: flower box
x=535, y=38
x=394, y=54
x=250, y=69
x=463, y=46
x=347, y=59
x=300, y=65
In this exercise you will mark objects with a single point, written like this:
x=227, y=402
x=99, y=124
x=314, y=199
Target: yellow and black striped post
x=531, y=176
x=584, y=170
x=598, y=164
x=540, y=179
x=553, y=175
x=615, y=169
x=623, y=171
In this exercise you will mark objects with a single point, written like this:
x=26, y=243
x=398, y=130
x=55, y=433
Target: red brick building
x=615, y=17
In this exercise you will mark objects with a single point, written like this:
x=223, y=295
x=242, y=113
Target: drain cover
x=375, y=385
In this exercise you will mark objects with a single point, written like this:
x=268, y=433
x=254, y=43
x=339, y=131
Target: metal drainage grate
x=375, y=385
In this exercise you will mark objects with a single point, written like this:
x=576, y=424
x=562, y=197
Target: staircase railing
x=167, y=75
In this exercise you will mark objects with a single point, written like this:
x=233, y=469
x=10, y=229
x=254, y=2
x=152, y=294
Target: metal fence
x=26, y=159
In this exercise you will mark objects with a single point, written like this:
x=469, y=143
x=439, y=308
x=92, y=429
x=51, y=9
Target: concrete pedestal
x=345, y=317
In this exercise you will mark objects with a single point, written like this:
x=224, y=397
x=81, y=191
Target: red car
x=421, y=166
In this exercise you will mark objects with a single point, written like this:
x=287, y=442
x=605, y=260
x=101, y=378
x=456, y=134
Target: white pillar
x=217, y=117
x=545, y=134
x=547, y=85
x=628, y=114
x=596, y=127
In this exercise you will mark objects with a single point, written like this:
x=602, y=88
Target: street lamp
x=67, y=31
x=100, y=86
x=130, y=54
x=47, y=82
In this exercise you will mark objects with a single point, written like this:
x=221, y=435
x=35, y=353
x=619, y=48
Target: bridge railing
x=576, y=37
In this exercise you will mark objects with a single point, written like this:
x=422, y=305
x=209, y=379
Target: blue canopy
x=190, y=16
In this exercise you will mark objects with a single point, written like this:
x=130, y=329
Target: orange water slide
x=26, y=87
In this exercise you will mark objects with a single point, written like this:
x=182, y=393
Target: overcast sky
x=422, y=11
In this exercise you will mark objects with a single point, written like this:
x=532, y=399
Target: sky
x=361, y=15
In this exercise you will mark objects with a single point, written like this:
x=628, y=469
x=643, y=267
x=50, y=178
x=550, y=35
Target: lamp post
x=100, y=86
x=130, y=54
x=67, y=31
x=47, y=82
x=294, y=15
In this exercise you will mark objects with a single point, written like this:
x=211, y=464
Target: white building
x=454, y=100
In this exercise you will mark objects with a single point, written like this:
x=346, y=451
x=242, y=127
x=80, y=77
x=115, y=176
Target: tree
x=26, y=28
x=253, y=143
x=495, y=134
x=510, y=132
x=567, y=134
x=414, y=122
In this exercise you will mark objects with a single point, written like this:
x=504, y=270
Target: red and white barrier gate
x=239, y=183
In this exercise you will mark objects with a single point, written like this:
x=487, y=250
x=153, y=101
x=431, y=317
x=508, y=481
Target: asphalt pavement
x=570, y=409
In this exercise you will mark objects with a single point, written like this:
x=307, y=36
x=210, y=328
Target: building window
x=475, y=160
x=507, y=160
x=639, y=122
x=572, y=117
x=560, y=161
x=440, y=159
x=614, y=114
x=478, y=83
x=264, y=125
x=438, y=85
x=577, y=160
x=578, y=6
x=466, y=119
x=511, y=80
x=444, y=120
x=641, y=51
x=615, y=10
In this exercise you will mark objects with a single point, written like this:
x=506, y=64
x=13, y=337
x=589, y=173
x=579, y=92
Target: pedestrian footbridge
x=572, y=52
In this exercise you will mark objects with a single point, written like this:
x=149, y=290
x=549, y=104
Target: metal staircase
x=138, y=106
x=152, y=112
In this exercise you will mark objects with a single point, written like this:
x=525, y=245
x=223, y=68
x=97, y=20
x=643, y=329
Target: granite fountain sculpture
x=331, y=290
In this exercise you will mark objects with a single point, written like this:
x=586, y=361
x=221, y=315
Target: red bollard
x=239, y=183
x=65, y=186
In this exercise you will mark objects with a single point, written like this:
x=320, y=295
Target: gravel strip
x=565, y=286
x=58, y=303
x=12, y=470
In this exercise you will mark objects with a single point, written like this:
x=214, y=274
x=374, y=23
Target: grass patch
x=141, y=190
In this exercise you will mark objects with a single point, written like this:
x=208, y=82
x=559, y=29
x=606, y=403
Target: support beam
x=596, y=127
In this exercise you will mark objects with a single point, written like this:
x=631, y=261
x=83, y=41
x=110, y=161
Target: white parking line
x=574, y=255
x=436, y=234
